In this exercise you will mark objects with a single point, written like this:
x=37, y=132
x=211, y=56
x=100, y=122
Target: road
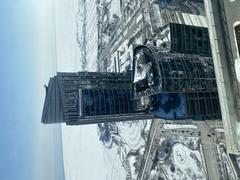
x=154, y=134
x=210, y=152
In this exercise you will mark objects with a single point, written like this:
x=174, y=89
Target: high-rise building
x=224, y=29
x=90, y=97
x=172, y=78
x=175, y=74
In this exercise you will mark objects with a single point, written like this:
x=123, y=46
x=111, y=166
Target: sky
x=28, y=149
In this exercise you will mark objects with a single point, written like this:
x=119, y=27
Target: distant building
x=224, y=29
x=90, y=97
x=139, y=21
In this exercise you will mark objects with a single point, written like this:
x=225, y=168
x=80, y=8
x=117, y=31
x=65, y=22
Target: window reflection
x=106, y=101
x=237, y=34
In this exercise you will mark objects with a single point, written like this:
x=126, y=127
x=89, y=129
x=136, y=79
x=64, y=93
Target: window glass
x=237, y=34
x=88, y=102
x=106, y=101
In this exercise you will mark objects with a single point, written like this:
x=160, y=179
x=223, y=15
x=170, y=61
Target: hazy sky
x=28, y=150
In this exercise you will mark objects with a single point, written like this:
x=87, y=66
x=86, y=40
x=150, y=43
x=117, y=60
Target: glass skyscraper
x=90, y=97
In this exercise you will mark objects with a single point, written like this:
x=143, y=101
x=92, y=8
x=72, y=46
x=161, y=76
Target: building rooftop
x=53, y=107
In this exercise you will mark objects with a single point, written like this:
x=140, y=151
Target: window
x=237, y=36
x=115, y=65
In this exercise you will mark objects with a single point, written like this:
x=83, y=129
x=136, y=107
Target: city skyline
x=42, y=39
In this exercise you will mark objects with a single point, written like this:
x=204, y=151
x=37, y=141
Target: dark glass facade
x=105, y=102
x=203, y=105
x=180, y=78
x=90, y=97
x=195, y=105
x=171, y=72
x=189, y=39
